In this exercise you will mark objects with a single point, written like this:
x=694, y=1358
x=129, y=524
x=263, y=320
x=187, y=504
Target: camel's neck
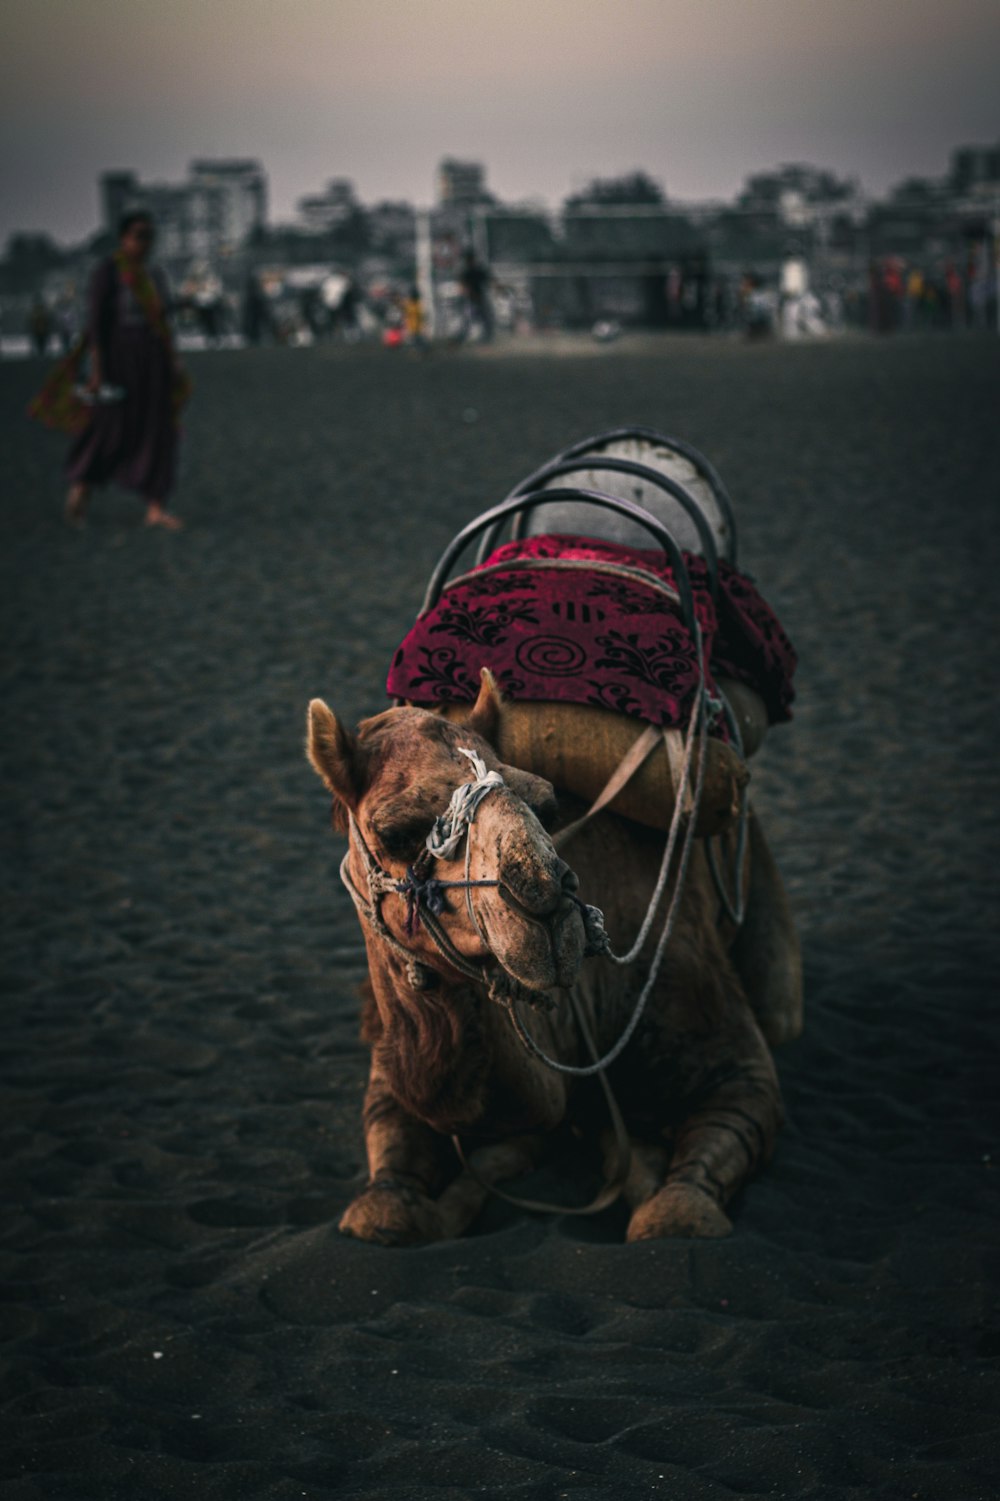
x=451, y=1058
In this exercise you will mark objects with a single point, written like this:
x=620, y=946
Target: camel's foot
x=397, y=1212
x=679, y=1209
x=392, y=1213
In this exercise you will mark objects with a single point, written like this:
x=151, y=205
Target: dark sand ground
x=182, y=1075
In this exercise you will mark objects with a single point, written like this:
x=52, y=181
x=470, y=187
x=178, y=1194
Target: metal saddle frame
x=590, y=454
x=529, y=494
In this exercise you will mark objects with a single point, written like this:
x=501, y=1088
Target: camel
x=475, y=952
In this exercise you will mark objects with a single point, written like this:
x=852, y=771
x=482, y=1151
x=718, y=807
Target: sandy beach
x=182, y=1073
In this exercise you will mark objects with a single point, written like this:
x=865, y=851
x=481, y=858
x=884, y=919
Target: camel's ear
x=485, y=716
x=331, y=751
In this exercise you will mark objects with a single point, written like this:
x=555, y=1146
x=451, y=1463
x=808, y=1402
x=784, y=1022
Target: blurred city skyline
x=547, y=94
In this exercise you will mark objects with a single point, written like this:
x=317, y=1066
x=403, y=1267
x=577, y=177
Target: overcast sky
x=546, y=93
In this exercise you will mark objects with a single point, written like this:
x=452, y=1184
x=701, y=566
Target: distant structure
x=623, y=216
x=975, y=170
x=241, y=188
x=209, y=217
x=794, y=188
x=617, y=249
x=392, y=227
x=621, y=249
x=462, y=184
x=322, y=212
x=947, y=217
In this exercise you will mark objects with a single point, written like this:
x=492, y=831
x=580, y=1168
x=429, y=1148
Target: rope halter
x=442, y=843
x=425, y=895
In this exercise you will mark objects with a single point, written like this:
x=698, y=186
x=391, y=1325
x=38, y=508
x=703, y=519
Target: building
x=622, y=232
x=392, y=229
x=607, y=254
x=795, y=187
x=336, y=205
x=518, y=234
x=975, y=171
x=462, y=184
x=241, y=186
x=207, y=218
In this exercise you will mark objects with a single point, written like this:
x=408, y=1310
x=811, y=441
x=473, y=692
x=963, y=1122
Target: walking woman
x=125, y=416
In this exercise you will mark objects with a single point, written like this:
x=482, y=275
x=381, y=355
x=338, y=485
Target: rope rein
x=699, y=726
x=734, y=907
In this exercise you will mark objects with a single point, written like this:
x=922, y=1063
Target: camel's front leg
x=717, y=1148
x=407, y=1164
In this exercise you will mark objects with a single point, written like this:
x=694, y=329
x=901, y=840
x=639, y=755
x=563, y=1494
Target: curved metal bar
x=661, y=535
x=638, y=471
x=491, y=539
x=687, y=450
x=703, y=465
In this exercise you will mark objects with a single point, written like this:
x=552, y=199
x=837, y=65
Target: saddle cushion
x=595, y=635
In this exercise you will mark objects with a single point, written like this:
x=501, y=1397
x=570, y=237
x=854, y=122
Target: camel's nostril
x=538, y=891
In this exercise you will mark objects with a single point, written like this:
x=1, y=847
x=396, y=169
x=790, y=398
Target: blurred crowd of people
x=954, y=295
x=894, y=296
x=307, y=305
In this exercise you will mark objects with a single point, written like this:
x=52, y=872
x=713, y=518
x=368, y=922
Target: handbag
x=58, y=404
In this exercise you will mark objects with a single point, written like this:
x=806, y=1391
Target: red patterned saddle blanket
x=571, y=619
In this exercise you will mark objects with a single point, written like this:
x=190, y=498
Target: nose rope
x=449, y=829
x=429, y=895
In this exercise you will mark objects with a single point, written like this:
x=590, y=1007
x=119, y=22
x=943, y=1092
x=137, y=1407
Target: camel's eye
x=402, y=838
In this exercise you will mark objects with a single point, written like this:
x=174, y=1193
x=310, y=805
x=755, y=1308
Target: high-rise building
x=321, y=212
x=208, y=217
x=241, y=186
x=462, y=184
x=975, y=169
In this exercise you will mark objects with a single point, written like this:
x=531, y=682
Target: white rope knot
x=449, y=828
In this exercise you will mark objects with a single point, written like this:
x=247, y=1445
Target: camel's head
x=396, y=776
